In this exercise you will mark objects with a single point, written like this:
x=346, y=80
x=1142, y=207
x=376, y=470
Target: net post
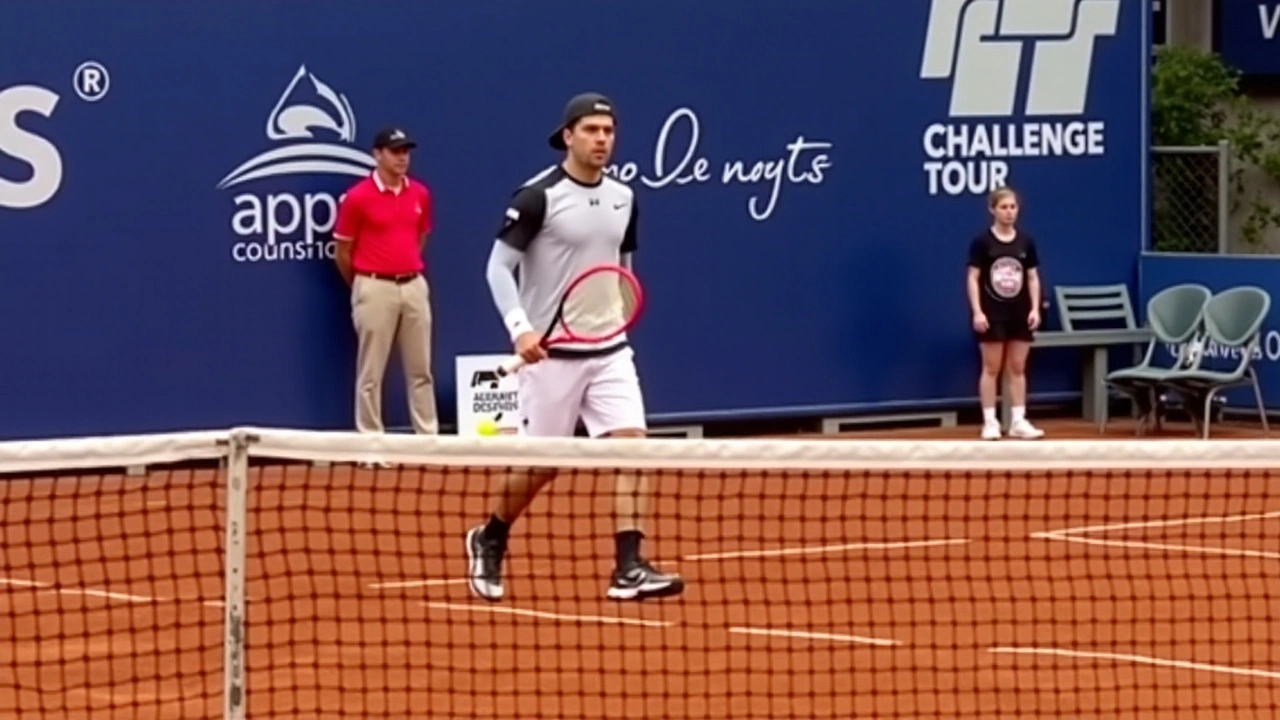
x=234, y=601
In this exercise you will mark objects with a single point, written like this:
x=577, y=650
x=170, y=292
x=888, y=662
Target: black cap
x=579, y=107
x=392, y=138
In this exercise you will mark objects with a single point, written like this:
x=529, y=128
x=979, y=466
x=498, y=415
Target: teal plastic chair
x=1233, y=320
x=1175, y=317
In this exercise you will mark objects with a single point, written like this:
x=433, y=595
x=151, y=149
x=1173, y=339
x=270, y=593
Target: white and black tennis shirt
x=563, y=226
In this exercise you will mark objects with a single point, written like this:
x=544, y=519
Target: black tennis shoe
x=484, y=569
x=641, y=581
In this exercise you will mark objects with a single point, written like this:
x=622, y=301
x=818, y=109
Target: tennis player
x=563, y=221
x=1004, y=296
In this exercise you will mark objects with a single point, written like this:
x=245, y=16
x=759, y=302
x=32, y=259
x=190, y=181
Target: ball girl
x=1004, y=298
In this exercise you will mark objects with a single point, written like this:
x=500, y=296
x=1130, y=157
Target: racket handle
x=511, y=366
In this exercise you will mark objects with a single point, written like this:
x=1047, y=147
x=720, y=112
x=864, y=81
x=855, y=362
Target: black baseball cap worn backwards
x=392, y=139
x=579, y=107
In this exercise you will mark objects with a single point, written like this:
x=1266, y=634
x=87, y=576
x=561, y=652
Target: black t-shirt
x=1002, y=274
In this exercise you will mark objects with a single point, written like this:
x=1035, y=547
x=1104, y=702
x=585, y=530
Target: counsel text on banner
x=313, y=127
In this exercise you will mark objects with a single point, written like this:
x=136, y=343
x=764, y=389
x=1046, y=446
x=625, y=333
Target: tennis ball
x=487, y=427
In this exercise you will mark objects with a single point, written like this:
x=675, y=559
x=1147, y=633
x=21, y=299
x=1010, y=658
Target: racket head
x=600, y=303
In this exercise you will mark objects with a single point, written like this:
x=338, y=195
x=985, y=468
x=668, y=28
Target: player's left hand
x=1033, y=319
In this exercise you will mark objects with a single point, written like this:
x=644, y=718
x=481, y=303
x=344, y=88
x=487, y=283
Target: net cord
x=676, y=454
x=85, y=453
x=236, y=564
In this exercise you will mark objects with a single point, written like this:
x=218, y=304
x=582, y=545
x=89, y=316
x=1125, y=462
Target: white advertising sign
x=487, y=404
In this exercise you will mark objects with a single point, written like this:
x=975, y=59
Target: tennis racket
x=602, y=302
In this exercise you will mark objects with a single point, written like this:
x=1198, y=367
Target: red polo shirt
x=384, y=225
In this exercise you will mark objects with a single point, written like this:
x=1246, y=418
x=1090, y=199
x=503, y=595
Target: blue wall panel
x=1248, y=35
x=793, y=248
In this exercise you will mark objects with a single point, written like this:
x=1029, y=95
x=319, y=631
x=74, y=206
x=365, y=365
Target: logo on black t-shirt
x=1007, y=277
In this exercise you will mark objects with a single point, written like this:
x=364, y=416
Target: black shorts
x=1003, y=330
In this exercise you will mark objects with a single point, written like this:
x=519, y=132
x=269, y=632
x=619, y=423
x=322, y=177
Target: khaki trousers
x=384, y=313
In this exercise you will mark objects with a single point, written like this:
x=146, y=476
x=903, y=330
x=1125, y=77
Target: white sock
x=1019, y=413
x=989, y=415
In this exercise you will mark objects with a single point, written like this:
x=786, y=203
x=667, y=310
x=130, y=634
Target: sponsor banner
x=167, y=199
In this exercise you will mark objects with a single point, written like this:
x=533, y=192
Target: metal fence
x=1190, y=198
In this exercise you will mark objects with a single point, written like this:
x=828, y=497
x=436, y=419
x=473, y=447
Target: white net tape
x=782, y=454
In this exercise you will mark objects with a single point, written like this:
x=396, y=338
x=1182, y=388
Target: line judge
x=381, y=231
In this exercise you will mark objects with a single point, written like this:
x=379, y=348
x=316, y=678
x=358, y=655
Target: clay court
x=1122, y=594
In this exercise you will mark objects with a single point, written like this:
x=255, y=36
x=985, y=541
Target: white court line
x=427, y=582
x=824, y=549
x=51, y=589
x=1139, y=659
x=814, y=636
x=1174, y=522
x=15, y=582
x=1136, y=544
x=1073, y=535
x=603, y=620
x=124, y=597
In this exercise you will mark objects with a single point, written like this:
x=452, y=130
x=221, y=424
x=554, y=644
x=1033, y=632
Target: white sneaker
x=991, y=430
x=1024, y=430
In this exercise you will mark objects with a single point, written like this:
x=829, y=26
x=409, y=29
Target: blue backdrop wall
x=809, y=179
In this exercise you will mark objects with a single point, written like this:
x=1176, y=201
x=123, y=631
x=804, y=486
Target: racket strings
x=599, y=305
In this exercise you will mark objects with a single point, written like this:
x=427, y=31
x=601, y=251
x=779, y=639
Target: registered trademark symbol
x=91, y=81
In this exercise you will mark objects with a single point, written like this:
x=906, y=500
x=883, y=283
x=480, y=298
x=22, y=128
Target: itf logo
x=981, y=47
x=315, y=128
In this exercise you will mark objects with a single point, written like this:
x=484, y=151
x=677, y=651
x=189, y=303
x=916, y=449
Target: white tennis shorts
x=604, y=392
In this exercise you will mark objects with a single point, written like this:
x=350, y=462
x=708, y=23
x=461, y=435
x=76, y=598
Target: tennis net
x=262, y=573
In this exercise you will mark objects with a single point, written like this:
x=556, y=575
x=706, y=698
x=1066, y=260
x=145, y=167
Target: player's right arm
x=521, y=223
x=977, y=253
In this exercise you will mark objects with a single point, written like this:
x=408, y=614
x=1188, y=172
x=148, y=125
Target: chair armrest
x=1092, y=338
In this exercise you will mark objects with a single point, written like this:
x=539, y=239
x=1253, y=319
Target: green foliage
x=1197, y=101
x=1192, y=94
